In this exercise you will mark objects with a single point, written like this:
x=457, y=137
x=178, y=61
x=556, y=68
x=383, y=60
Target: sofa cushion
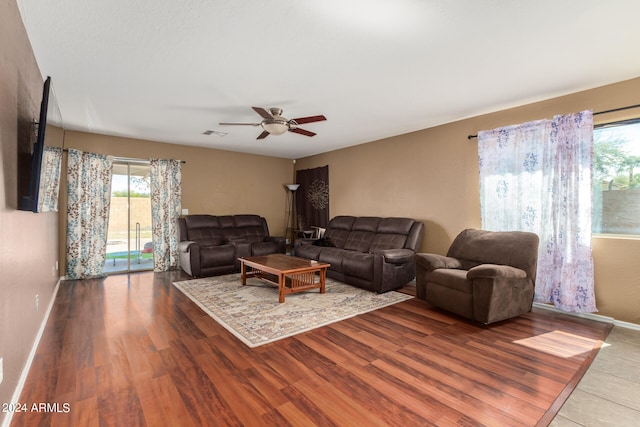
x=323, y=241
x=366, y=223
x=251, y=227
x=387, y=241
x=217, y=255
x=247, y=221
x=250, y=234
x=337, y=237
x=213, y=241
x=359, y=241
x=263, y=248
x=309, y=251
x=338, y=230
x=395, y=225
x=226, y=221
x=202, y=228
x=342, y=222
x=206, y=235
x=201, y=221
x=358, y=264
x=332, y=256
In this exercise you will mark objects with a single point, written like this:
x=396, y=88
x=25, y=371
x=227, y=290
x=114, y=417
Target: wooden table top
x=284, y=263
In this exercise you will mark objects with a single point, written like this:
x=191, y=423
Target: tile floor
x=609, y=393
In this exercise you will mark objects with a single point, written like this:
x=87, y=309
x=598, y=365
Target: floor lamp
x=291, y=219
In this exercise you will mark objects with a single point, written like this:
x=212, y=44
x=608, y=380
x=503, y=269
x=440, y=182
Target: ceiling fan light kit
x=277, y=127
x=274, y=124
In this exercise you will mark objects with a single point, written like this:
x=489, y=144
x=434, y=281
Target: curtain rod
x=595, y=114
x=66, y=150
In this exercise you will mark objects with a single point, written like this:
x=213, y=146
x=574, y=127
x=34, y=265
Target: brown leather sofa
x=211, y=245
x=372, y=253
x=486, y=276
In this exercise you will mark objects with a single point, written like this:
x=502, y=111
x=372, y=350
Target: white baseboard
x=591, y=316
x=27, y=367
x=627, y=325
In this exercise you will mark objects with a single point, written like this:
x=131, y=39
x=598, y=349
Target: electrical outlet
x=1, y=371
x=185, y=211
x=37, y=301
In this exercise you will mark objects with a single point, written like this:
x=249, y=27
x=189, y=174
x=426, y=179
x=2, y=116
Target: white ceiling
x=169, y=70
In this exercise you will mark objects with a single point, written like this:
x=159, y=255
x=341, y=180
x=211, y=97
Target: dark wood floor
x=133, y=350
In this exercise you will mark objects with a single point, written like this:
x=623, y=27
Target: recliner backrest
x=515, y=248
x=392, y=234
x=363, y=232
x=252, y=228
x=218, y=229
x=372, y=234
x=201, y=228
x=338, y=230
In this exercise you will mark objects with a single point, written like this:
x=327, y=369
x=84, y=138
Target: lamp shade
x=277, y=127
x=293, y=187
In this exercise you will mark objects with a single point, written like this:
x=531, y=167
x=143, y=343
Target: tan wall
x=213, y=181
x=29, y=243
x=432, y=175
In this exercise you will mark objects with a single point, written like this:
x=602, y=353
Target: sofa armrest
x=397, y=256
x=242, y=248
x=496, y=270
x=184, y=245
x=280, y=241
x=189, y=254
x=431, y=262
x=305, y=241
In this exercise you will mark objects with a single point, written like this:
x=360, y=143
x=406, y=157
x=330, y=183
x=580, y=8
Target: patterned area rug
x=253, y=314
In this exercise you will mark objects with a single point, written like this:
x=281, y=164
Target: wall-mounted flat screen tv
x=49, y=117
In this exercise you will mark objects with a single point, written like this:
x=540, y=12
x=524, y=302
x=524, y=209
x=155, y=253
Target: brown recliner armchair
x=487, y=276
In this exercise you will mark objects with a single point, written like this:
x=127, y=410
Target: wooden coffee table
x=293, y=274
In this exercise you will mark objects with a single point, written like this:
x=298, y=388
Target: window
x=616, y=178
x=129, y=246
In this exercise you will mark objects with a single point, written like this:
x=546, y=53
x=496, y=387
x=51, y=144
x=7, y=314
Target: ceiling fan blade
x=239, y=124
x=310, y=119
x=263, y=135
x=302, y=131
x=262, y=112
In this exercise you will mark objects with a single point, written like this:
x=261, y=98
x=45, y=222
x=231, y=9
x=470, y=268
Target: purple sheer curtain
x=536, y=177
x=312, y=197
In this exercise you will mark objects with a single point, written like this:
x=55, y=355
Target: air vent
x=214, y=132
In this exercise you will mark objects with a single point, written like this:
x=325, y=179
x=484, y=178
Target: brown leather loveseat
x=372, y=253
x=211, y=245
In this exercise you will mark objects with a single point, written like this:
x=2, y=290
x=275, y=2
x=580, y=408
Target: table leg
x=323, y=274
x=243, y=269
x=281, y=281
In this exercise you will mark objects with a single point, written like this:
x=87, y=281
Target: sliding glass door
x=129, y=245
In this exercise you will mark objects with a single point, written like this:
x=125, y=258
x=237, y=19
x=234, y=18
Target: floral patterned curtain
x=50, y=179
x=537, y=177
x=88, y=200
x=166, y=195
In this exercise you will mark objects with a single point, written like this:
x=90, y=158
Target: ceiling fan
x=274, y=124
